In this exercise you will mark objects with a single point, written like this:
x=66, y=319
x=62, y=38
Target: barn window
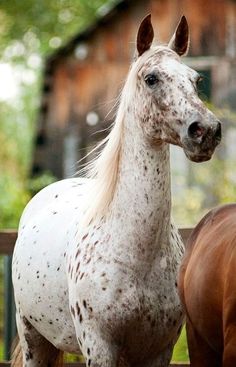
x=205, y=66
x=205, y=86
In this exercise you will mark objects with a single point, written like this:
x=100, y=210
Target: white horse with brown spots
x=96, y=260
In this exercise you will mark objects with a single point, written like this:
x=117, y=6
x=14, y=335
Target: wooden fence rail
x=7, y=242
x=7, y=364
x=8, y=239
x=77, y=364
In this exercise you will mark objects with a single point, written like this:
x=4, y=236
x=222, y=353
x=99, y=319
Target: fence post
x=9, y=308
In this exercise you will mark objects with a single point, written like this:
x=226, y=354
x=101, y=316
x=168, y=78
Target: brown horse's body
x=207, y=285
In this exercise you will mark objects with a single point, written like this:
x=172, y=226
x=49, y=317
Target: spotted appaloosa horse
x=207, y=285
x=96, y=261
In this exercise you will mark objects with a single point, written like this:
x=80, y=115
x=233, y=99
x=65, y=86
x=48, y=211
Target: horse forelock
x=153, y=55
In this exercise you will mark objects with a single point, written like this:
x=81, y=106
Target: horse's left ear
x=180, y=40
x=145, y=35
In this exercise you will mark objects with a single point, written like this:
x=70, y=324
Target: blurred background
x=62, y=66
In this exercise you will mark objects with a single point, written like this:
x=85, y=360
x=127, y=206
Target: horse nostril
x=195, y=130
x=218, y=132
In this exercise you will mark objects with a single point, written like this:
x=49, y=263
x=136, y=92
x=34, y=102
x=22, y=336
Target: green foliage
x=188, y=206
x=30, y=30
x=37, y=183
x=16, y=131
x=41, y=26
x=13, y=199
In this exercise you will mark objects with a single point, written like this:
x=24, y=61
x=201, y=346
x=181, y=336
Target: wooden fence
x=7, y=241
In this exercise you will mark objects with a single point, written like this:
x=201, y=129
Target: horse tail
x=16, y=360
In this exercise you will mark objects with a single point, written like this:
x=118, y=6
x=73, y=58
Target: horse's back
x=206, y=280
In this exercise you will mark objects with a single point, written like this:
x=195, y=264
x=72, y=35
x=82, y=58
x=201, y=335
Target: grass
x=180, y=353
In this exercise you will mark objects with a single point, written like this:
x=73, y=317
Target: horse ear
x=145, y=35
x=180, y=40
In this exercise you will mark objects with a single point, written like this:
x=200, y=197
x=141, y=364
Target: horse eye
x=151, y=80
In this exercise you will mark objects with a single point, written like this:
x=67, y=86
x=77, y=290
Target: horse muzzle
x=200, y=141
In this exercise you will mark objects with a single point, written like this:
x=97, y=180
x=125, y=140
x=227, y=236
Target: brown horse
x=207, y=286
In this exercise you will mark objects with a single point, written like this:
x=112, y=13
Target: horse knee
x=103, y=358
x=98, y=353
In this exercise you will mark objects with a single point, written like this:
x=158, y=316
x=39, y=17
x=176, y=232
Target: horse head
x=165, y=98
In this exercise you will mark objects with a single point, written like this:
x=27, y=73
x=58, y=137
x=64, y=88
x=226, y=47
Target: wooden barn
x=82, y=79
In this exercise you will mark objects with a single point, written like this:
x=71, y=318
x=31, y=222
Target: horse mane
x=103, y=170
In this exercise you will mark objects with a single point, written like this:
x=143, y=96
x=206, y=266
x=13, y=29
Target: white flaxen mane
x=103, y=170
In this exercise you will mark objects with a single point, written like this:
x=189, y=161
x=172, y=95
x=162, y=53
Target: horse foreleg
x=99, y=353
x=97, y=350
x=36, y=350
x=200, y=353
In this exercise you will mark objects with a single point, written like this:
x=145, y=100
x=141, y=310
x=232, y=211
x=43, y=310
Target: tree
x=30, y=30
x=40, y=26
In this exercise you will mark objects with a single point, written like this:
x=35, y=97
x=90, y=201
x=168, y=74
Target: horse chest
x=130, y=305
x=142, y=308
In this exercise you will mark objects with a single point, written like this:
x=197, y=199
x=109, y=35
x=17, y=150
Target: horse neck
x=142, y=198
